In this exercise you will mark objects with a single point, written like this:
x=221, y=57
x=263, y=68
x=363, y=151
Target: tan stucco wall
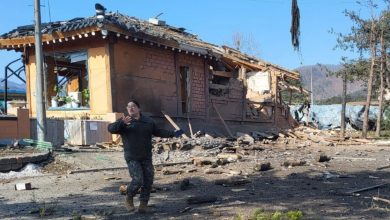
x=19, y=128
x=99, y=77
x=99, y=80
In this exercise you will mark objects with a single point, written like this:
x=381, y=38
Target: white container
x=86, y=132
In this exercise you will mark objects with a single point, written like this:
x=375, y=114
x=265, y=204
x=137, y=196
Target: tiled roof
x=178, y=37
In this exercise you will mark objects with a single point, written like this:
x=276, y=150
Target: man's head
x=133, y=108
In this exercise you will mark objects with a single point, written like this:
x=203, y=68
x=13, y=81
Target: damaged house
x=99, y=63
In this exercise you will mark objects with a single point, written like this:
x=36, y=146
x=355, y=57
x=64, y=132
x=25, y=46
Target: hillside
x=326, y=87
x=19, y=86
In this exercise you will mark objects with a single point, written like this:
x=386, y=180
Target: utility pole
x=41, y=114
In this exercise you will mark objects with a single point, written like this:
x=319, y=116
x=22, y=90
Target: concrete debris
x=262, y=167
x=323, y=158
x=293, y=163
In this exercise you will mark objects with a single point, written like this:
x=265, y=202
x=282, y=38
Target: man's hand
x=127, y=119
x=178, y=133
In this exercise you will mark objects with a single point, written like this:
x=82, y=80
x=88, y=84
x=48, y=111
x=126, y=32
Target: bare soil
x=319, y=189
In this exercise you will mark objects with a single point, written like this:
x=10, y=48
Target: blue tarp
x=329, y=116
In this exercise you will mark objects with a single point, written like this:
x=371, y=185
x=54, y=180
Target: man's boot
x=129, y=204
x=143, y=206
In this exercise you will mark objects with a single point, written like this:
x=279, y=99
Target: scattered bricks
x=323, y=158
x=262, y=166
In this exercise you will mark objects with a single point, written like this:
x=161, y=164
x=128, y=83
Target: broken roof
x=133, y=29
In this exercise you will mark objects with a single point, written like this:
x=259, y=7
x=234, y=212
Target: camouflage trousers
x=142, y=174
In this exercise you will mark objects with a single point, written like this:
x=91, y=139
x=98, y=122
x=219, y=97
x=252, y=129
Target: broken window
x=67, y=79
x=185, y=88
x=219, y=80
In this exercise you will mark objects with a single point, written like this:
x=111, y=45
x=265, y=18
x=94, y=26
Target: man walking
x=136, y=131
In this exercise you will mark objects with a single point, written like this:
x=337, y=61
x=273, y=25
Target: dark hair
x=135, y=102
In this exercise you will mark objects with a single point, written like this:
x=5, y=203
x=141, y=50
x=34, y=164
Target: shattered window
x=67, y=79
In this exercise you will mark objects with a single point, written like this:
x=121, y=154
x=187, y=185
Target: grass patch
x=260, y=214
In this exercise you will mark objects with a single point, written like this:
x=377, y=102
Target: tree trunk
x=382, y=71
x=343, y=105
x=370, y=81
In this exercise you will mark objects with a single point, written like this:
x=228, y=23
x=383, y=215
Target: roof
x=135, y=29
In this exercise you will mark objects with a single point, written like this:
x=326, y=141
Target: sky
x=266, y=22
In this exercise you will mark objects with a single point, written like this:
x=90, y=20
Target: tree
x=364, y=38
x=246, y=44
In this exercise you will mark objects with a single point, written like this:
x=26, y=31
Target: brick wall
x=198, y=97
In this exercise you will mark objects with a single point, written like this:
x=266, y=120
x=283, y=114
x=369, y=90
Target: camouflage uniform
x=142, y=174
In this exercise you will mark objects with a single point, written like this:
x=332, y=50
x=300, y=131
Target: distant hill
x=13, y=86
x=326, y=87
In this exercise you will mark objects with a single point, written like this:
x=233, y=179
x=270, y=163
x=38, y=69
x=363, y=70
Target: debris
x=323, y=158
x=186, y=209
x=200, y=161
x=123, y=189
x=96, y=170
x=381, y=200
x=201, y=199
x=245, y=139
x=173, y=164
x=355, y=158
x=191, y=170
x=293, y=163
x=23, y=186
x=173, y=124
x=223, y=121
x=170, y=172
x=229, y=157
x=367, y=188
x=231, y=182
x=262, y=167
x=112, y=178
x=383, y=167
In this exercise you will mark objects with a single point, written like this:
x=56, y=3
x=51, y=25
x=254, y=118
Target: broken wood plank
x=96, y=170
x=231, y=182
x=173, y=123
x=367, y=188
x=201, y=199
x=173, y=164
x=170, y=172
x=223, y=73
x=200, y=161
x=190, y=126
x=355, y=158
x=223, y=121
x=382, y=168
x=381, y=200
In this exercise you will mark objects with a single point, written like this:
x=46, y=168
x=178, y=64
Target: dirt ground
x=319, y=189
